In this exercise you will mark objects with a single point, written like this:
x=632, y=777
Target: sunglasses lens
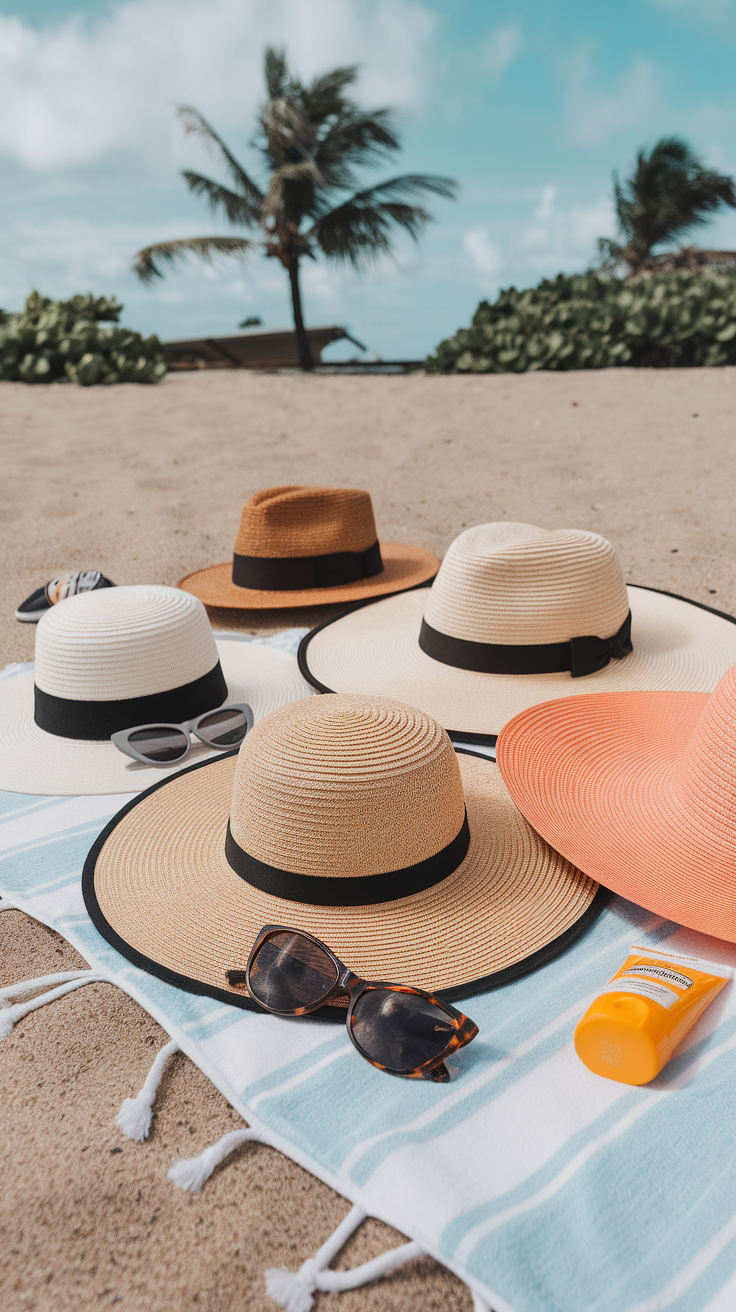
x=225, y=728
x=400, y=1030
x=289, y=972
x=160, y=743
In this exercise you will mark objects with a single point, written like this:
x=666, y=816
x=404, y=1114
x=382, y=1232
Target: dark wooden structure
x=255, y=348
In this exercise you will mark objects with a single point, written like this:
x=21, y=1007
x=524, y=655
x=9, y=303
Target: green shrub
x=589, y=321
x=79, y=340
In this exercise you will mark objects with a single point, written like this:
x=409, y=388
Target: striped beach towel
x=544, y=1187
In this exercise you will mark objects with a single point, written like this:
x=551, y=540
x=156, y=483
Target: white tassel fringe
x=192, y=1172
x=68, y=981
x=136, y=1114
x=295, y=1290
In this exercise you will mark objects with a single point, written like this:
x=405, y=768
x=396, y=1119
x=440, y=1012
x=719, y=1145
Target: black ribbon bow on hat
x=587, y=655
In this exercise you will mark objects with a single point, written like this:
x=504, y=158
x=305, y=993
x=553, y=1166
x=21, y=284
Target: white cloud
x=594, y=114
x=557, y=236
x=77, y=91
x=564, y=237
x=501, y=49
x=484, y=253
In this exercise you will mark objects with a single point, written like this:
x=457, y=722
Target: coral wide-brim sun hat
x=116, y=658
x=309, y=546
x=353, y=818
x=639, y=790
x=519, y=615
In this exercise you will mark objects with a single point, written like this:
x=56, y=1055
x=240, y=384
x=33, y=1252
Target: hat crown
x=287, y=522
x=346, y=786
x=122, y=643
x=517, y=584
x=708, y=774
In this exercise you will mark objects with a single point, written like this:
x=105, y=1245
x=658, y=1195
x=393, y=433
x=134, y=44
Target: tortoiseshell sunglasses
x=401, y=1030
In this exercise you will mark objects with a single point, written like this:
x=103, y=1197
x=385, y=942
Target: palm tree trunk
x=302, y=341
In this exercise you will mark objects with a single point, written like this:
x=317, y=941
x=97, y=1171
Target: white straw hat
x=112, y=659
x=352, y=818
x=519, y=615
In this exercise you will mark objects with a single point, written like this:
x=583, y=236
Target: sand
x=147, y=484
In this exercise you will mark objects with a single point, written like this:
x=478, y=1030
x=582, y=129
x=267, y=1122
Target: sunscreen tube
x=632, y=1029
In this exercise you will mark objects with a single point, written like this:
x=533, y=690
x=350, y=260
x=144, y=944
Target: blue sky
x=529, y=105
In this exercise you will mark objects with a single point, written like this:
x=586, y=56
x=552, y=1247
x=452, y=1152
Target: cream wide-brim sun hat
x=346, y=791
x=517, y=584
x=134, y=640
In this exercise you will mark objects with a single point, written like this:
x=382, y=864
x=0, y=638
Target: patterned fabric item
x=541, y=1184
x=68, y=585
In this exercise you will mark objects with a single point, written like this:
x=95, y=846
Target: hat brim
x=679, y=645
x=34, y=761
x=159, y=888
x=404, y=566
x=598, y=778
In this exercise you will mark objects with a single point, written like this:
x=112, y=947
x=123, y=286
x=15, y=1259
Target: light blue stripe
x=291, y=1068
x=676, y=1174
x=230, y=1016
x=25, y=804
x=709, y=1283
x=465, y=1221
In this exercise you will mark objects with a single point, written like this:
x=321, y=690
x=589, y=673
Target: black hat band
x=580, y=656
x=344, y=891
x=298, y=573
x=95, y=721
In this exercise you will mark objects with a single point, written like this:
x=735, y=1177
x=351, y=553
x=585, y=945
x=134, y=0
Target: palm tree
x=669, y=192
x=312, y=137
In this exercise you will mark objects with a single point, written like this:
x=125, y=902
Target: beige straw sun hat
x=519, y=615
x=309, y=546
x=639, y=789
x=355, y=819
x=116, y=658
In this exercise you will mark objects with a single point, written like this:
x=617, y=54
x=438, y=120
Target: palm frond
x=354, y=138
x=236, y=208
x=152, y=260
x=406, y=188
x=324, y=95
x=668, y=192
x=360, y=229
x=289, y=136
x=358, y=234
x=279, y=82
x=195, y=123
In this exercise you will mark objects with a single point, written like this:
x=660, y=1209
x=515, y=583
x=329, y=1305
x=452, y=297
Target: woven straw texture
x=164, y=885
x=123, y=642
x=639, y=789
x=284, y=522
x=514, y=583
x=677, y=646
x=403, y=567
x=33, y=761
x=306, y=521
x=347, y=779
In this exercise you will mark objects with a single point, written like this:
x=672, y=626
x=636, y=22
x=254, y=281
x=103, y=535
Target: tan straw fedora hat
x=639, y=790
x=352, y=818
x=121, y=657
x=519, y=615
x=309, y=546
